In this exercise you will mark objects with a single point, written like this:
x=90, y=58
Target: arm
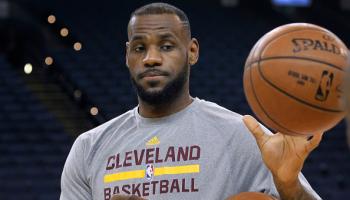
x=74, y=184
x=292, y=191
x=284, y=156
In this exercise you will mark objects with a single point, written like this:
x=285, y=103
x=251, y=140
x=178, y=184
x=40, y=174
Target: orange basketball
x=292, y=79
x=251, y=196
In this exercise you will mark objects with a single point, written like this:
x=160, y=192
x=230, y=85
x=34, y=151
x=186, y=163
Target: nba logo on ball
x=149, y=172
x=324, y=86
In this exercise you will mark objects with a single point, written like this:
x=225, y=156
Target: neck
x=162, y=110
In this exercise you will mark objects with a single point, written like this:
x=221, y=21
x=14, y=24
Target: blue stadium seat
x=27, y=148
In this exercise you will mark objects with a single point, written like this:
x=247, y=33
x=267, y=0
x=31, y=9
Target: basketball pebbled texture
x=293, y=76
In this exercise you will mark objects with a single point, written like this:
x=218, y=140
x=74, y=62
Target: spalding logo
x=305, y=44
x=149, y=172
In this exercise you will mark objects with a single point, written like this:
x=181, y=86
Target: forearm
x=292, y=191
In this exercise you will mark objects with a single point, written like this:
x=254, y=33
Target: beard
x=168, y=94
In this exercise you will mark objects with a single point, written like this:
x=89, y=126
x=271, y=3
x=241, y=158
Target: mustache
x=154, y=72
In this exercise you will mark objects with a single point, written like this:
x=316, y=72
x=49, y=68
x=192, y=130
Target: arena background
x=62, y=72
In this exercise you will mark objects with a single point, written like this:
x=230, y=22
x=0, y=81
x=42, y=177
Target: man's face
x=158, y=56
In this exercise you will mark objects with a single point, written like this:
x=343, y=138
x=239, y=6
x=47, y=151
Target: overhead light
x=64, y=32
x=293, y=3
x=77, y=94
x=93, y=111
x=28, y=68
x=48, y=60
x=77, y=46
x=51, y=19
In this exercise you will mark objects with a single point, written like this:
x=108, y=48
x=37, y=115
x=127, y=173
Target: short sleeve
x=74, y=184
x=308, y=187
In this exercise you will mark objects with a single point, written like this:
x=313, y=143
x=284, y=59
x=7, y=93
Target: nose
x=153, y=58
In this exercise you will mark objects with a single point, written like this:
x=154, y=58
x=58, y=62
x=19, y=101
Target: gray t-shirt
x=201, y=152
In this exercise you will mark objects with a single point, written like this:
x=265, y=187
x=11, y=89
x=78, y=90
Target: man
x=173, y=146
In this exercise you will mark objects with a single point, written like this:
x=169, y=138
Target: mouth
x=152, y=74
x=153, y=78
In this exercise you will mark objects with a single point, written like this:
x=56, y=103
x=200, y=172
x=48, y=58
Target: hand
x=123, y=197
x=283, y=154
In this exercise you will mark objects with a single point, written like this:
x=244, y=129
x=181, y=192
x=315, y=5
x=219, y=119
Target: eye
x=139, y=48
x=167, y=47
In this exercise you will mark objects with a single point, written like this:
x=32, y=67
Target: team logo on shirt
x=153, y=141
x=149, y=172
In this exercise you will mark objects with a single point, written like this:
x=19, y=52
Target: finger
x=123, y=197
x=120, y=197
x=255, y=128
x=134, y=197
x=315, y=141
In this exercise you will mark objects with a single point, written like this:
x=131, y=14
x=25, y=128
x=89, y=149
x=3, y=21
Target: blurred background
x=62, y=72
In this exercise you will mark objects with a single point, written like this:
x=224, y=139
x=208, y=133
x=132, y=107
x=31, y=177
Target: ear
x=193, y=52
x=127, y=53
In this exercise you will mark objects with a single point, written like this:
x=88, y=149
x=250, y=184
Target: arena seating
x=33, y=145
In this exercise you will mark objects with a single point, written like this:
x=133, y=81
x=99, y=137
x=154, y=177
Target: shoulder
x=90, y=141
x=113, y=124
x=217, y=114
x=230, y=125
x=224, y=117
x=227, y=123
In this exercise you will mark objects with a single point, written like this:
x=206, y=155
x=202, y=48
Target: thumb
x=255, y=128
x=315, y=141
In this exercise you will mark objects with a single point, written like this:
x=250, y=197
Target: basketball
x=292, y=79
x=251, y=196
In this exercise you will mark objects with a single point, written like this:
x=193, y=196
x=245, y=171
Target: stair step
x=57, y=101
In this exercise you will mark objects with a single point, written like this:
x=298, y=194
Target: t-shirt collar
x=158, y=121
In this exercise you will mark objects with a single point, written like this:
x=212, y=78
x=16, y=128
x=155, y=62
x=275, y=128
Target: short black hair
x=163, y=8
